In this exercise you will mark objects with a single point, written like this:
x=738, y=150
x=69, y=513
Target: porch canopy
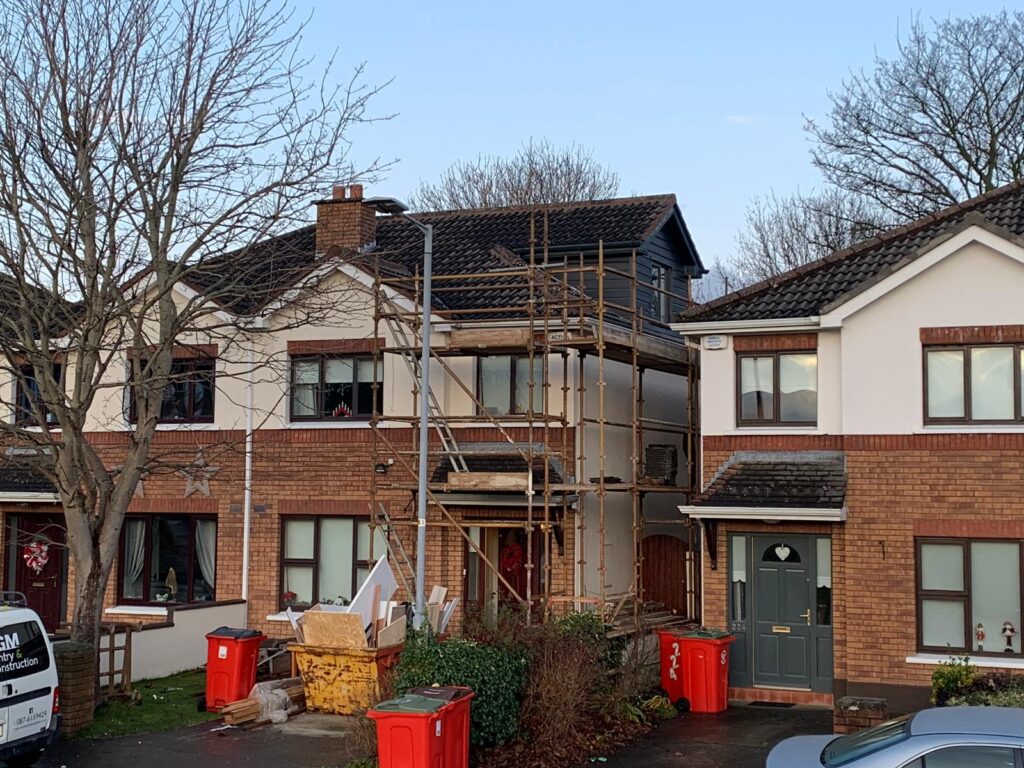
x=773, y=487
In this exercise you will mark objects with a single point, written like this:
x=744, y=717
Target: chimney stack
x=344, y=221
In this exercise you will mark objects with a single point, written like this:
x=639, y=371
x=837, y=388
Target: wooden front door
x=40, y=578
x=664, y=571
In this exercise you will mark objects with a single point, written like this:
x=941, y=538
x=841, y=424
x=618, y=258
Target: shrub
x=952, y=679
x=497, y=677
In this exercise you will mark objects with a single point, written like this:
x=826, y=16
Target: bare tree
x=783, y=233
x=941, y=122
x=720, y=279
x=538, y=173
x=145, y=146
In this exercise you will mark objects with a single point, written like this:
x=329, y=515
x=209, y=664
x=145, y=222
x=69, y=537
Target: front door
x=782, y=612
x=38, y=562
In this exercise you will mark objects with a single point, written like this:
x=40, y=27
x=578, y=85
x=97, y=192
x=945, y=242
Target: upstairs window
x=333, y=387
x=504, y=384
x=978, y=384
x=188, y=395
x=661, y=288
x=777, y=388
x=29, y=395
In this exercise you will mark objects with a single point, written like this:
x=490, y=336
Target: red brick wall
x=899, y=486
x=775, y=342
x=299, y=471
x=344, y=222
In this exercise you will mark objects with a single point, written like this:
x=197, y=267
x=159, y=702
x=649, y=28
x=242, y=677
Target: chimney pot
x=356, y=192
x=338, y=192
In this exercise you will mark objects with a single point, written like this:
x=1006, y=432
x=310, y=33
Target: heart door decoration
x=782, y=551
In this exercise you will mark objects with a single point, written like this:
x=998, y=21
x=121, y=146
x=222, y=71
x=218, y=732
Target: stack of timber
x=247, y=711
x=622, y=620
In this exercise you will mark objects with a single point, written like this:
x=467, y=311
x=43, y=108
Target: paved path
x=738, y=738
x=309, y=741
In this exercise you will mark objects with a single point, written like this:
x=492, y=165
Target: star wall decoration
x=197, y=476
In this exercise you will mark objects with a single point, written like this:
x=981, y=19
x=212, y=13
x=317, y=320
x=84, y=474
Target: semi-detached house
x=319, y=469
x=862, y=424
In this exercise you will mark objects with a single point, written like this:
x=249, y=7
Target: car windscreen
x=855, y=745
x=22, y=650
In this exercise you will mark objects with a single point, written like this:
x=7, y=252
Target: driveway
x=307, y=741
x=738, y=738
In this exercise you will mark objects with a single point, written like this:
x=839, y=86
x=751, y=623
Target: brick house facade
x=310, y=476
x=860, y=582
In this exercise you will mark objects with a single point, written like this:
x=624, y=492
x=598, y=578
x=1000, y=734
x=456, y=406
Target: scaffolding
x=566, y=315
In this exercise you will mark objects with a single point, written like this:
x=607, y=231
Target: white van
x=29, y=696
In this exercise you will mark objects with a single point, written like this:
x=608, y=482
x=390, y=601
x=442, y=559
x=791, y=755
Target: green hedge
x=497, y=677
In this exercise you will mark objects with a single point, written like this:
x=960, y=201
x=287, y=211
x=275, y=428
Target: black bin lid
x=442, y=692
x=234, y=634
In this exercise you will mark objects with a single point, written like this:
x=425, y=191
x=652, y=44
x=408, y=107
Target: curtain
x=206, y=551
x=134, y=556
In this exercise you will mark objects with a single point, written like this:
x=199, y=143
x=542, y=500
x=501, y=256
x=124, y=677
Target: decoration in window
x=333, y=388
x=168, y=559
x=780, y=553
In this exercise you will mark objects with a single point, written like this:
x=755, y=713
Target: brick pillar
x=852, y=713
x=76, y=675
x=345, y=221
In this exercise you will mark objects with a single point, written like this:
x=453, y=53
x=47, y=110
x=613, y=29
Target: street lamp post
x=396, y=207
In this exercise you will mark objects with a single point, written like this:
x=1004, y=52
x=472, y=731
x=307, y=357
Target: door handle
x=806, y=615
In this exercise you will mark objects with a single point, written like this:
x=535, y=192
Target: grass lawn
x=169, y=702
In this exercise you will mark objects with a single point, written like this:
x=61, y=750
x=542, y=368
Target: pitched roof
x=468, y=241
x=779, y=479
x=496, y=457
x=807, y=290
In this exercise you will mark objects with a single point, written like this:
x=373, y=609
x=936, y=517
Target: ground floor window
x=168, y=559
x=326, y=559
x=969, y=595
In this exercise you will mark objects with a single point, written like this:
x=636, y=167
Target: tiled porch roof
x=779, y=479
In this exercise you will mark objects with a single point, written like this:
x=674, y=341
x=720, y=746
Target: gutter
x=812, y=323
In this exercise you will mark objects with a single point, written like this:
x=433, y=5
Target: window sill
x=279, y=616
x=1013, y=662
x=775, y=428
x=190, y=426
x=137, y=610
x=954, y=429
x=349, y=424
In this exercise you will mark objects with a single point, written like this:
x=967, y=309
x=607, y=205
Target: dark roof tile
x=810, y=480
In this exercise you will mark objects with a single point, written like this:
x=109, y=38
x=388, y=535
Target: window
x=661, y=290
x=504, y=384
x=326, y=559
x=969, y=596
x=777, y=388
x=823, y=587
x=28, y=395
x=861, y=743
x=23, y=651
x=333, y=388
x=168, y=559
x=974, y=756
x=980, y=384
x=188, y=395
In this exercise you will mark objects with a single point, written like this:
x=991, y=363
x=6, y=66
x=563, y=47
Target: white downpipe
x=247, y=499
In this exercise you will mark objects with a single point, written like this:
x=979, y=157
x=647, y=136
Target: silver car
x=946, y=737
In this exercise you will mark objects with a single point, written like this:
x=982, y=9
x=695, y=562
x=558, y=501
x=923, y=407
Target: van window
x=22, y=650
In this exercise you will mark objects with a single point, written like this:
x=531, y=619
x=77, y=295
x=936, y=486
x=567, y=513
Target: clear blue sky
x=701, y=99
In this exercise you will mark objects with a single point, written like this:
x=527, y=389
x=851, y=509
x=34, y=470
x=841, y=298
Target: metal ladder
x=441, y=425
x=405, y=569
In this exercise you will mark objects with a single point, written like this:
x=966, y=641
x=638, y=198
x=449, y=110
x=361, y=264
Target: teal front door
x=782, y=612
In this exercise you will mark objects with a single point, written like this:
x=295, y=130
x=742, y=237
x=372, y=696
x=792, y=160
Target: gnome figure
x=1008, y=632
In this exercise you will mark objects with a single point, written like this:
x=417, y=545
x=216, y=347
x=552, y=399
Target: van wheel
x=26, y=760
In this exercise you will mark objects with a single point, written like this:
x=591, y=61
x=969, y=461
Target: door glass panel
x=942, y=567
x=992, y=383
x=823, y=582
x=946, y=384
x=473, y=567
x=757, y=389
x=942, y=623
x=798, y=387
x=995, y=594
x=738, y=578
x=780, y=552
x=970, y=757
